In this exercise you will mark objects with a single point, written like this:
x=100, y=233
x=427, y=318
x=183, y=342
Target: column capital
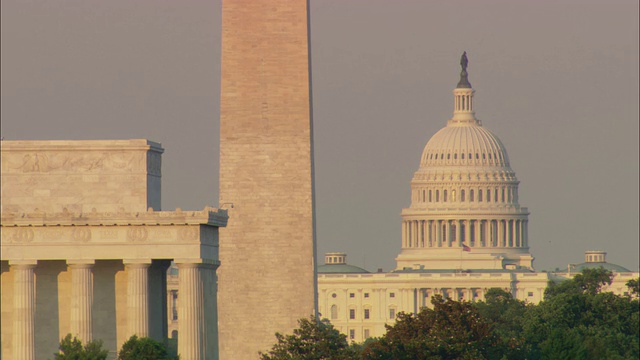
x=23, y=263
x=191, y=263
x=81, y=263
x=134, y=262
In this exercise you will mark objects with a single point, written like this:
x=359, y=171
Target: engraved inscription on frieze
x=35, y=163
x=137, y=233
x=81, y=234
x=75, y=161
x=108, y=234
x=160, y=234
x=20, y=235
x=189, y=233
x=54, y=234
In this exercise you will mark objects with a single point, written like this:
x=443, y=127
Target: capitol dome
x=464, y=211
x=464, y=144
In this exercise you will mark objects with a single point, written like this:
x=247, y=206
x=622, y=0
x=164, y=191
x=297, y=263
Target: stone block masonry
x=267, y=273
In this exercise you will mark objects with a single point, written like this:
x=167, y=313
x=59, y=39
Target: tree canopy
x=72, y=349
x=143, y=348
x=576, y=320
x=313, y=340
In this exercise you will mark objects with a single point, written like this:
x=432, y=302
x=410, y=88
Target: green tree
x=452, y=330
x=583, y=323
x=72, y=349
x=505, y=314
x=313, y=340
x=590, y=281
x=143, y=348
x=634, y=287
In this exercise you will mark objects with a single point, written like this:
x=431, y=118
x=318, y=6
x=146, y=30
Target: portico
x=96, y=272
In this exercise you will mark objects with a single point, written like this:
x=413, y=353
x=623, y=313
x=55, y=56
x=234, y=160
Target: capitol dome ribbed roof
x=468, y=143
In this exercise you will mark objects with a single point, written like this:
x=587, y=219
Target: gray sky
x=556, y=81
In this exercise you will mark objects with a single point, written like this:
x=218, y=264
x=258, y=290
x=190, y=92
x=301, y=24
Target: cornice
x=208, y=216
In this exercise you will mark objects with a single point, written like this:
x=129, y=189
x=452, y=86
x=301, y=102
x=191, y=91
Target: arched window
x=448, y=156
x=489, y=156
x=462, y=156
x=444, y=196
x=471, y=195
x=436, y=156
x=334, y=312
x=495, y=195
x=453, y=195
x=488, y=195
x=477, y=156
x=480, y=195
x=429, y=195
x=455, y=156
x=437, y=195
x=502, y=194
x=174, y=334
x=462, y=194
x=484, y=156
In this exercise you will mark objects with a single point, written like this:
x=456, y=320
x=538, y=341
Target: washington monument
x=267, y=275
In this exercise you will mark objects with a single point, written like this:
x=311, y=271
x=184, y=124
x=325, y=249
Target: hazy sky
x=557, y=81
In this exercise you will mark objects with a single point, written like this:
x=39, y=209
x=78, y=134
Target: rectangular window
x=392, y=295
x=366, y=295
x=530, y=293
x=366, y=334
x=366, y=313
x=392, y=313
x=352, y=295
x=352, y=314
x=352, y=334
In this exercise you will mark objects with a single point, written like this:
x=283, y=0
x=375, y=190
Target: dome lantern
x=463, y=97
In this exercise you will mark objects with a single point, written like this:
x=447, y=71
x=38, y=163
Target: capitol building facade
x=464, y=233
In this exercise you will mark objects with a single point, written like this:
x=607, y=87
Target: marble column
x=501, y=233
x=525, y=235
x=459, y=233
x=191, y=326
x=404, y=234
x=24, y=344
x=487, y=233
x=137, y=298
x=81, y=323
x=447, y=232
x=514, y=233
x=420, y=233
